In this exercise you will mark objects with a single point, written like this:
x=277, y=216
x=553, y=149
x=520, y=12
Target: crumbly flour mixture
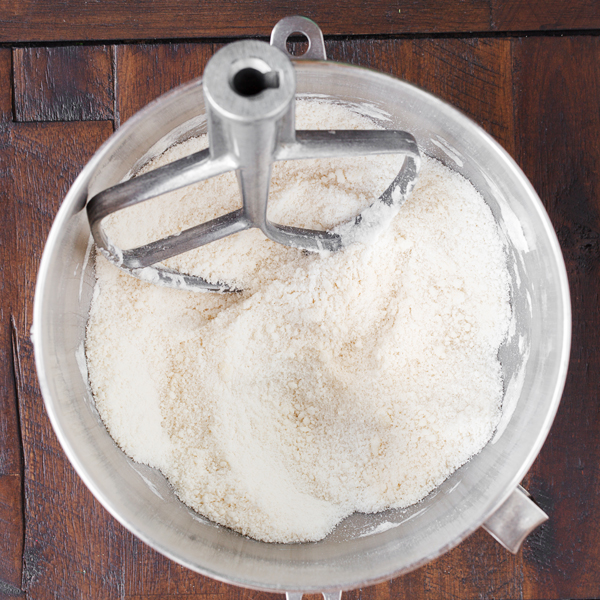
x=351, y=382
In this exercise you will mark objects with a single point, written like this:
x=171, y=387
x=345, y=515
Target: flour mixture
x=332, y=384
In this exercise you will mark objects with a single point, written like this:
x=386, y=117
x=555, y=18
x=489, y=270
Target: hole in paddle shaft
x=251, y=82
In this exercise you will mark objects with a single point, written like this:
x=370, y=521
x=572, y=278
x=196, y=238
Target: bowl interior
x=364, y=548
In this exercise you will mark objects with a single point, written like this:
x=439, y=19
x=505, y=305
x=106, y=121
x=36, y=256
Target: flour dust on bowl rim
x=363, y=549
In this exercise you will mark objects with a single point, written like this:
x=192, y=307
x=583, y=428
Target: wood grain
x=80, y=20
x=11, y=459
x=478, y=568
x=11, y=542
x=543, y=15
x=66, y=83
x=557, y=83
x=151, y=576
x=6, y=110
x=145, y=71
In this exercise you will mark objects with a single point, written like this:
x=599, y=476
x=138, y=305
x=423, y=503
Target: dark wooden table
x=72, y=71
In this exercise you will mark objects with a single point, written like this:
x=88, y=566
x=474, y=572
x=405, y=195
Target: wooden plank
x=11, y=541
x=150, y=576
x=11, y=460
x=146, y=71
x=71, y=542
x=79, y=20
x=557, y=84
x=544, y=15
x=66, y=83
x=6, y=111
x=475, y=74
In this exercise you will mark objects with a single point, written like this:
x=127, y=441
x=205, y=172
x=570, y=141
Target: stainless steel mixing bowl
x=364, y=548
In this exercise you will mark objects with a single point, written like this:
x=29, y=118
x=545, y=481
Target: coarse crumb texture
x=351, y=382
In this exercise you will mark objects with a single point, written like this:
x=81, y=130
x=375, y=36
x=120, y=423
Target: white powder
x=351, y=382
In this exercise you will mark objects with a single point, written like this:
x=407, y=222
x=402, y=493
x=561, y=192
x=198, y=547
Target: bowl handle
x=297, y=24
x=515, y=520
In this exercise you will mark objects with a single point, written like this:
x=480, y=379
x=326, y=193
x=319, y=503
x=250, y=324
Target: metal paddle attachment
x=249, y=89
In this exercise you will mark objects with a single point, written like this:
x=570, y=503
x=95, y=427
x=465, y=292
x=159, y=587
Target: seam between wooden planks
x=328, y=37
